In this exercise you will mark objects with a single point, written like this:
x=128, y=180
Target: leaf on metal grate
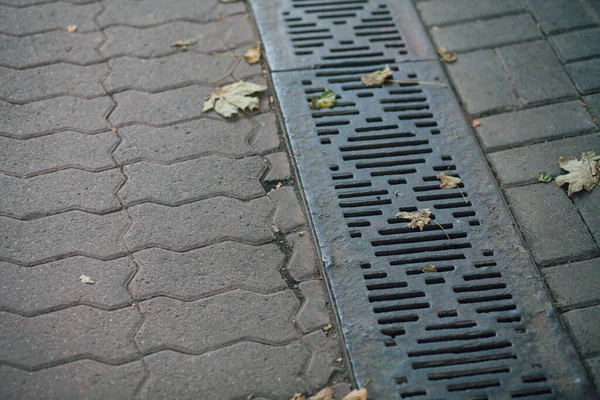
x=544, y=177
x=418, y=219
x=185, y=42
x=377, y=77
x=448, y=182
x=228, y=99
x=326, y=100
x=253, y=54
x=357, y=394
x=583, y=173
x=445, y=55
x=429, y=268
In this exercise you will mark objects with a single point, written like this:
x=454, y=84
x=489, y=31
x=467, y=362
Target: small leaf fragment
x=324, y=394
x=87, y=279
x=328, y=327
x=583, y=173
x=544, y=177
x=475, y=123
x=298, y=396
x=253, y=54
x=357, y=394
x=71, y=28
x=445, y=55
x=429, y=268
x=228, y=99
x=326, y=100
x=418, y=219
x=448, y=182
x=184, y=42
x=377, y=77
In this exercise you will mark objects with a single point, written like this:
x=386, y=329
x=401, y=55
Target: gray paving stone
x=199, y=224
x=156, y=41
x=536, y=72
x=534, y=125
x=60, y=113
x=593, y=8
x=303, y=261
x=44, y=17
x=439, y=12
x=203, y=325
x=314, y=312
x=550, y=223
x=56, y=151
x=70, y=189
x=266, y=138
x=21, y=86
x=208, y=271
x=70, y=233
x=288, y=215
x=158, y=108
x=593, y=105
x=64, y=335
x=574, y=284
x=51, y=47
x=523, y=164
x=272, y=372
x=83, y=379
x=23, y=3
x=176, y=142
x=594, y=368
x=193, y=180
x=558, y=15
x=174, y=70
x=576, y=45
x=586, y=75
x=488, y=33
x=279, y=167
x=584, y=325
x=151, y=12
x=325, y=351
x=588, y=205
x=246, y=71
x=481, y=83
x=46, y=287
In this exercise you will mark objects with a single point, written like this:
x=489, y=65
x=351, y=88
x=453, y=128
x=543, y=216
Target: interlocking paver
x=558, y=15
x=266, y=138
x=536, y=72
x=303, y=260
x=534, y=125
x=586, y=75
x=58, y=15
x=83, y=379
x=70, y=233
x=246, y=71
x=272, y=372
x=60, y=113
x=576, y=45
x=574, y=284
x=206, y=324
x=29, y=51
x=151, y=12
x=192, y=180
x=70, y=189
x=584, y=325
x=56, y=151
x=207, y=271
x=488, y=33
x=64, y=335
x=21, y=86
x=33, y=290
x=481, y=83
x=523, y=164
x=178, y=69
x=313, y=313
x=156, y=41
x=550, y=223
x=289, y=215
x=325, y=351
x=279, y=167
x=588, y=204
x=199, y=224
x=175, y=142
x=438, y=12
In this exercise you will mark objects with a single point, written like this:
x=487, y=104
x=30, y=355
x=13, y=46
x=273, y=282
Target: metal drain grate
x=478, y=327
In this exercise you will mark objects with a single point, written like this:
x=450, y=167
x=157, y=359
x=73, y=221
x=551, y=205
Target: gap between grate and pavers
x=481, y=326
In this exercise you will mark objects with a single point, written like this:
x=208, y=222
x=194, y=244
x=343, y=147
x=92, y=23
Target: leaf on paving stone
x=253, y=54
x=429, y=268
x=544, y=177
x=298, y=396
x=324, y=394
x=377, y=77
x=445, y=55
x=87, y=279
x=328, y=327
x=71, y=28
x=418, y=219
x=475, y=123
x=184, y=42
x=583, y=173
x=357, y=395
x=279, y=184
x=228, y=99
x=326, y=100
x=448, y=182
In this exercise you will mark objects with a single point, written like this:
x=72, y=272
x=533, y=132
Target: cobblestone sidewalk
x=205, y=272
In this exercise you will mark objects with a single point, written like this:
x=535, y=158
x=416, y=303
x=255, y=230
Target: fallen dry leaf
x=301, y=233
x=184, y=42
x=279, y=184
x=71, y=28
x=418, y=219
x=253, y=54
x=298, y=396
x=324, y=394
x=445, y=55
x=113, y=129
x=475, y=123
x=583, y=173
x=377, y=77
x=357, y=394
x=228, y=99
x=429, y=268
x=328, y=327
x=544, y=177
x=87, y=279
x=326, y=100
x=448, y=182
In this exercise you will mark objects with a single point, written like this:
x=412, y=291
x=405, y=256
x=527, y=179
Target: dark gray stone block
x=288, y=215
x=279, y=167
x=588, y=205
x=576, y=45
x=439, y=12
x=303, y=261
x=586, y=75
x=574, y=284
x=558, y=15
x=584, y=325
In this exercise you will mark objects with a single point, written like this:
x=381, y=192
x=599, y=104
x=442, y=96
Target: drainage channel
x=477, y=323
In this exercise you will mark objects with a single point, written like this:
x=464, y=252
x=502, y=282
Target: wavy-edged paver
x=51, y=47
x=50, y=16
x=289, y=215
x=192, y=180
x=61, y=235
x=85, y=379
x=52, y=115
x=57, y=151
x=200, y=326
x=21, y=86
x=152, y=12
x=54, y=285
x=314, y=312
x=70, y=189
x=210, y=270
x=302, y=264
x=61, y=336
x=273, y=372
x=199, y=224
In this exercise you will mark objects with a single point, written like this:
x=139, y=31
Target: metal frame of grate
x=480, y=326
